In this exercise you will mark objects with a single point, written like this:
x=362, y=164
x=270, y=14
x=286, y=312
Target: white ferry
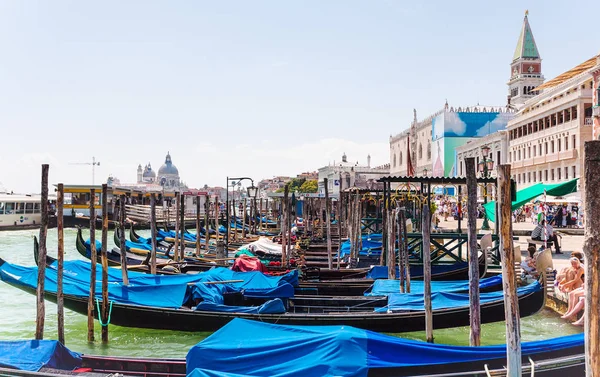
x=19, y=211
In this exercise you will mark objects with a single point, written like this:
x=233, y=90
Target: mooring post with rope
x=511, y=300
x=123, y=217
x=60, y=298
x=93, y=260
x=103, y=314
x=41, y=278
x=474, y=311
x=426, y=251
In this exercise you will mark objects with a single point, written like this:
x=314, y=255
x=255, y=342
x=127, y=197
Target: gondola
x=185, y=319
x=355, y=352
x=138, y=262
x=548, y=358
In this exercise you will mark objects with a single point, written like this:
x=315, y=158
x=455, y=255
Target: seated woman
x=572, y=279
x=574, y=297
x=576, y=309
x=528, y=264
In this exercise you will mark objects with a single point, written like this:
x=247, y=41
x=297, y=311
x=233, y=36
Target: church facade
x=167, y=175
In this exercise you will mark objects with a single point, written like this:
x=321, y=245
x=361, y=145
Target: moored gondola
x=531, y=300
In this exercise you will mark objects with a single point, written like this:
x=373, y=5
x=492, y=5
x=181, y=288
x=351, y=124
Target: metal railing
x=588, y=121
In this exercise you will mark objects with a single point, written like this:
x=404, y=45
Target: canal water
x=17, y=315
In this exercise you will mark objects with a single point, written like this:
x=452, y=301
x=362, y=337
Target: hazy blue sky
x=259, y=88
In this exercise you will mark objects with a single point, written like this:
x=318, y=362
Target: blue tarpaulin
x=241, y=347
x=155, y=290
x=371, y=245
x=32, y=355
x=446, y=300
x=274, y=306
x=416, y=270
x=385, y=287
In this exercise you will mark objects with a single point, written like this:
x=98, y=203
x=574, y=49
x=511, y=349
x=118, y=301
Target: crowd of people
x=565, y=215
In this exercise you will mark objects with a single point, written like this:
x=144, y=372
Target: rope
x=100, y=316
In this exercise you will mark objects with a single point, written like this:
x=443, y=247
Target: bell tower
x=525, y=68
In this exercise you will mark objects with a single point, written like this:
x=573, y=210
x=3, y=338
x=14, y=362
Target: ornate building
x=147, y=175
x=167, y=177
x=350, y=174
x=525, y=68
x=546, y=137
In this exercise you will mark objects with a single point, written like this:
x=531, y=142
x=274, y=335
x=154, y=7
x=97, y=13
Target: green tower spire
x=526, y=47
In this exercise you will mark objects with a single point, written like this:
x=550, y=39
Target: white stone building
x=420, y=136
x=546, y=137
x=349, y=175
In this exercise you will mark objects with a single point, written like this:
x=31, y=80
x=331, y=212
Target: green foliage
x=295, y=185
x=309, y=186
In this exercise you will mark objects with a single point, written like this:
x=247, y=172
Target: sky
x=253, y=88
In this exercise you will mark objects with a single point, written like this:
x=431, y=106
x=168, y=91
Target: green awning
x=527, y=194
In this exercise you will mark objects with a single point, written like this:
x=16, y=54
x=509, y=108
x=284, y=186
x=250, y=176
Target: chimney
x=369, y=160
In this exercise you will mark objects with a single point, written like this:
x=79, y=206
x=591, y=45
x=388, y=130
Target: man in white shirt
x=545, y=232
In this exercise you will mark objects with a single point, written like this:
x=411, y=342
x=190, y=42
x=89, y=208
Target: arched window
x=420, y=151
x=400, y=159
x=429, y=150
x=394, y=159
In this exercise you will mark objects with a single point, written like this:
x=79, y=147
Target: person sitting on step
x=572, y=279
x=545, y=232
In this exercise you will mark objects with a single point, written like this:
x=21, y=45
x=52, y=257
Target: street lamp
x=485, y=166
x=238, y=179
x=425, y=171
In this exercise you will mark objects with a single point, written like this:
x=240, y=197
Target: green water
x=17, y=315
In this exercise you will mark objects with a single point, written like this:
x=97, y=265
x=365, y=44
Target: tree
x=309, y=186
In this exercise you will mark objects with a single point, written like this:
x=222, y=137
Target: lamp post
x=485, y=167
x=425, y=172
x=251, y=192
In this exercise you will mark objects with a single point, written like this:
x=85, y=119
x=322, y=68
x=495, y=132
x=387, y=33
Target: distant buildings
x=546, y=137
x=432, y=143
x=348, y=174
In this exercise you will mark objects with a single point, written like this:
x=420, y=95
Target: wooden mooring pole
x=198, y=232
x=401, y=261
x=591, y=249
x=509, y=280
x=328, y=223
x=244, y=218
x=104, y=258
x=206, y=221
x=122, y=241
x=216, y=218
x=41, y=278
x=474, y=311
x=153, y=233
x=284, y=225
x=182, y=225
x=426, y=249
x=176, y=246
x=391, y=243
x=404, y=235
x=60, y=299
x=93, y=260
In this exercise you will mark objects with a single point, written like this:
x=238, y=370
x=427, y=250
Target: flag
x=410, y=170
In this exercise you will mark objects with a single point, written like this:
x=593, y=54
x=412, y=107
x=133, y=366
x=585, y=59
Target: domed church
x=167, y=176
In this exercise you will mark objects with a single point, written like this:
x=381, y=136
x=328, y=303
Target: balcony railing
x=588, y=122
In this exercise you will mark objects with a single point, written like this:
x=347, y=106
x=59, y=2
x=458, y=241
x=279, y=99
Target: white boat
x=19, y=211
